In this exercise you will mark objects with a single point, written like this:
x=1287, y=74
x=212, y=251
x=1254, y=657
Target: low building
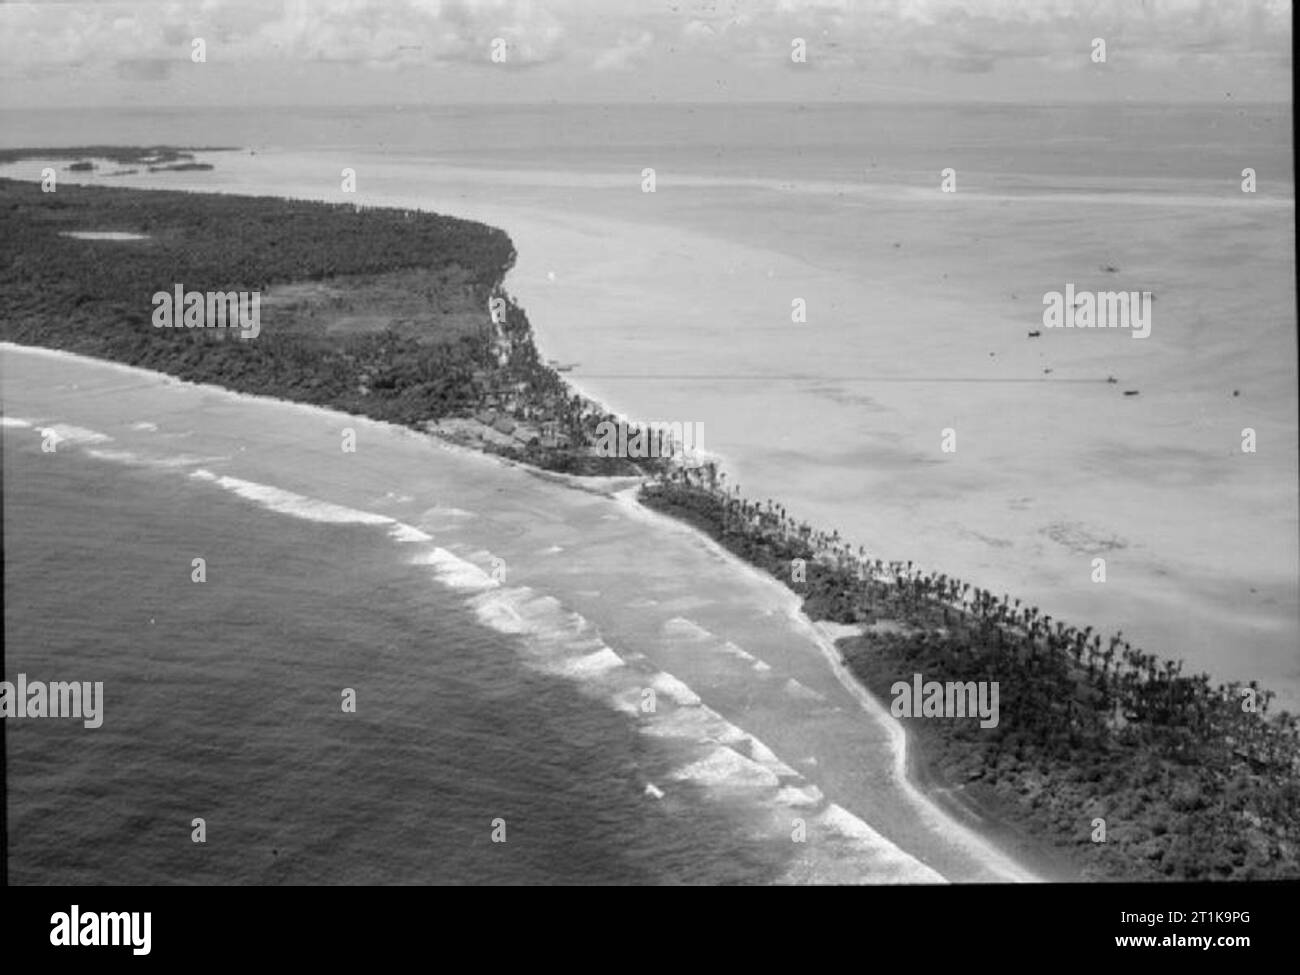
x=553, y=436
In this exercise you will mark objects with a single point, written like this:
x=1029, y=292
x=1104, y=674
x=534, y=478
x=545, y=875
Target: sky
x=412, y=52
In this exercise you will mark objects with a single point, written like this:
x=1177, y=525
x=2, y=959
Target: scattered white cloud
x=147, y=42
x=626, y=53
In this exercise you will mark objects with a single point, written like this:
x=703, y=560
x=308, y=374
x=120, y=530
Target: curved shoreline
x=1171, y=761
x=1024, y=541
x=905, y=766
x=620, y=490
x=999, y=828
x=986, y=845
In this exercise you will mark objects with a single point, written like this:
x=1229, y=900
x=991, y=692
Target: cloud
x=976, y=35
x=133, y=39
x=625, y=53
x=126, y=34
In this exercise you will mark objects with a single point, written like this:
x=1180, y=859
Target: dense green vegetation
x=1193, y=780
x=382, y=313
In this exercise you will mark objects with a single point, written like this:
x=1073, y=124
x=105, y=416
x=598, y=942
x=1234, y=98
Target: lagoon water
x=677, y=305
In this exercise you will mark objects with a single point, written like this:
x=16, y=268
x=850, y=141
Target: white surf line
x=933, y=815
x=61, y=433
x=67, y=433
x=326, y=512
x=684, y=629
x=80, y=436
x=566, y=644
x=453, y=570
x=264, y=495
x=158, y=463
x=409, y=534
x=993, y=857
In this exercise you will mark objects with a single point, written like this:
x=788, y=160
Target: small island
x=154, y=157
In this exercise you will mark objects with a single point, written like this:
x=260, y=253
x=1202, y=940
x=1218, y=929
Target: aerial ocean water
x=223, y=702
x=624, y=701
